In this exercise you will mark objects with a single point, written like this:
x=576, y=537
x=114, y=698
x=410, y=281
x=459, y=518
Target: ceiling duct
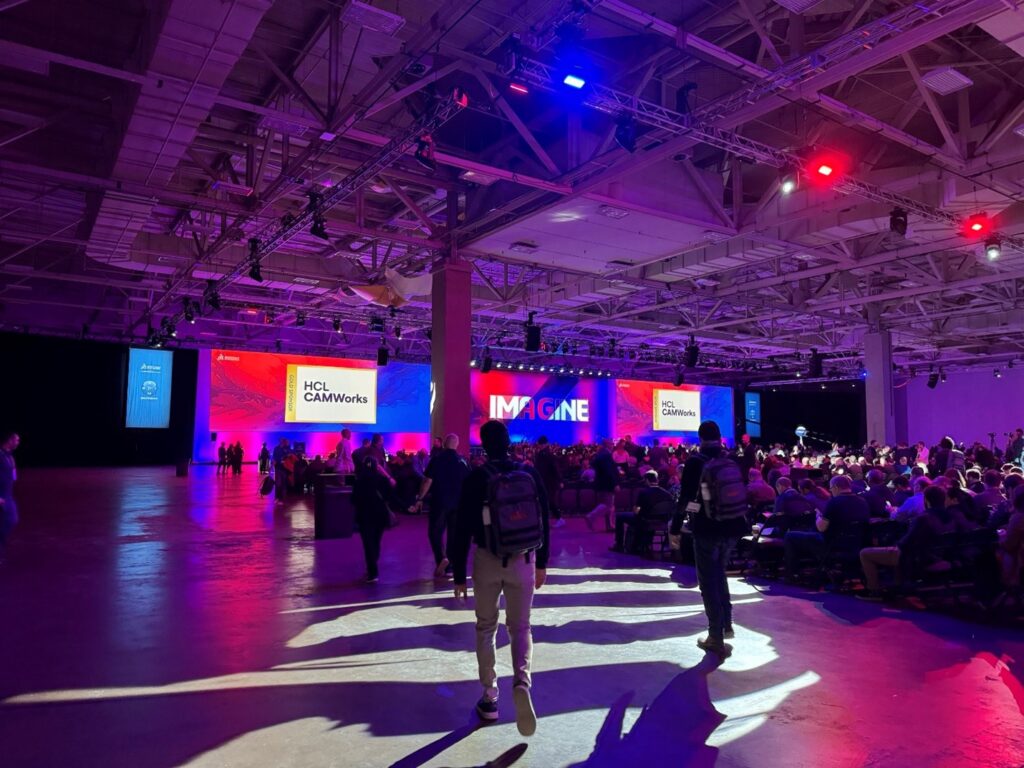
x=366, y=16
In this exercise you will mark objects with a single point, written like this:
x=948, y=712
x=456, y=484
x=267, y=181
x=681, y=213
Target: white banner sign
x=676, y=410
x=322, y=395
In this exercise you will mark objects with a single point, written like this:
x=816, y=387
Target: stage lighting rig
x=255, y=273
x=300, y=319
x=211, y=297
x=625, y=133
x=424, y=154
x=898, y=221
x=993, y=248
x=188, y=310
x=336, y=324
x=789, y=180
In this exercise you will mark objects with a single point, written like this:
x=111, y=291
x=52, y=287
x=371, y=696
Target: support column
x=450, y=352
x=879, y=397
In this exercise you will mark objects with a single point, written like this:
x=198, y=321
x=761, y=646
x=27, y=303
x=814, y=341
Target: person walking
x=606, y=484
x=264, y=460
x=714, y=496
x=503, y=508
x=442, y=480
x=278, y=458
x=368, y=496
x=9, y=442
x=237, y=454
x=222, y=459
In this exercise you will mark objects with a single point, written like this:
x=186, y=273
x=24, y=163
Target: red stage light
x=518, y=88
x=824, y=167
x=977, y=225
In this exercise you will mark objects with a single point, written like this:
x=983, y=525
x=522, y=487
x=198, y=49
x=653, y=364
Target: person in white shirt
x=344, y=464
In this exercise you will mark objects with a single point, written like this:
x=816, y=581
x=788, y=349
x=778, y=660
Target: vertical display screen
x=149, y=389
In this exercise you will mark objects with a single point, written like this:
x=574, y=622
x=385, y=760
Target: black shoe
x=721, y=649
x=728, y=634
x=616, y=548
x=869, y=595
x=526, y=718
x=487, y=708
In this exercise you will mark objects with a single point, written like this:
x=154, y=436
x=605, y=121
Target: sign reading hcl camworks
x=321, y=395
x=676, y=410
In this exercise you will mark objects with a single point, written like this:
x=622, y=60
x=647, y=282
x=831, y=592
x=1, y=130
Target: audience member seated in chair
x=878, y=496
x=844, y=510
x=790, y=502
x=759, y=493
x=941, y=517
x=653, y=503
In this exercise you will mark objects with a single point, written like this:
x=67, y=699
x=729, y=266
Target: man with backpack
x=713, y=494
x=503, y=508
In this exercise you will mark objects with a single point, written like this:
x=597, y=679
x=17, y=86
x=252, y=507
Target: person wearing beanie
x=713, y=542
x=515, y=576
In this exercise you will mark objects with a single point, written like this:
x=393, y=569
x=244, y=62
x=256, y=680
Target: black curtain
x=65, y=398
x=837, y=413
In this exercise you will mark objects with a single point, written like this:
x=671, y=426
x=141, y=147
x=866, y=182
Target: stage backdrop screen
x=649, y=409
x=565, y=409
x=258, y=397
x=148, y=393
x=752, y=406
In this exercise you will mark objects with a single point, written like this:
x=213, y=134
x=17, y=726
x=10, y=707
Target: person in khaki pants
x=515, y=576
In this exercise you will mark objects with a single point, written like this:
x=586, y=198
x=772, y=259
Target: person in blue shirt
x=9, y=442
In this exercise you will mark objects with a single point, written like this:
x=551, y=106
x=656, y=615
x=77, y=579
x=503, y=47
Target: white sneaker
x=526, y=718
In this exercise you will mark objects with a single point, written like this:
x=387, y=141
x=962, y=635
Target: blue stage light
x=574, y=81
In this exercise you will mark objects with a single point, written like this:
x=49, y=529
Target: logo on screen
x=320, y=392
x=149, y=388
x=505, y=407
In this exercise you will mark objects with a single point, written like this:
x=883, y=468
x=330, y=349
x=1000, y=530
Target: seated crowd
x=919, y=515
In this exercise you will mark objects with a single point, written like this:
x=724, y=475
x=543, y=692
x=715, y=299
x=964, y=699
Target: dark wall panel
x=65, y=398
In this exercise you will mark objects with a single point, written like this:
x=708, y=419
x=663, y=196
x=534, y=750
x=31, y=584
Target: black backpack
x=512, y=513
x=723, y=494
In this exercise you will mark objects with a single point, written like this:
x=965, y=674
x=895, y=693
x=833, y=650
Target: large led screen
x=647, y=410
x=565, y=409
x=257, y=397
x=148, y=392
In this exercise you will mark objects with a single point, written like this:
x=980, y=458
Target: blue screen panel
x=149, y=389
x=752, y=413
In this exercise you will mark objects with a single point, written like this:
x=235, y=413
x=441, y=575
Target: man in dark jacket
x=713, y=541
x=517, y=577
x=606, y=483
x=650, y=503
x=547, y=467
x=443, y=480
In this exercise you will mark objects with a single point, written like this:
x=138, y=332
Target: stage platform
x=154, y=621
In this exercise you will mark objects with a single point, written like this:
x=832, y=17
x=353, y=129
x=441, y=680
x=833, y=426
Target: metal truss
x=833, y=53
x=274, y=235
x=619, y=104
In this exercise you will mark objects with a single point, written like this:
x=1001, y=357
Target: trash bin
x=334, y=515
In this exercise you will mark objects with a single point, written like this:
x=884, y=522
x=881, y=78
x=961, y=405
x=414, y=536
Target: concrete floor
x=152, y=621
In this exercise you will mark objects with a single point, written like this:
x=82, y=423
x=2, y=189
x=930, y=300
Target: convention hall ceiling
x=151, y=152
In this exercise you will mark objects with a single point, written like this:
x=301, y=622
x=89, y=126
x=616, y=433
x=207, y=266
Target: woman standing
x=372, y=487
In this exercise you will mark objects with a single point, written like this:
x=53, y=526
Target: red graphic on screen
x=247, y=389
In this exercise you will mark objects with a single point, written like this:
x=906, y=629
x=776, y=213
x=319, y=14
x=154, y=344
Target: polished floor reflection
x=156, y=621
